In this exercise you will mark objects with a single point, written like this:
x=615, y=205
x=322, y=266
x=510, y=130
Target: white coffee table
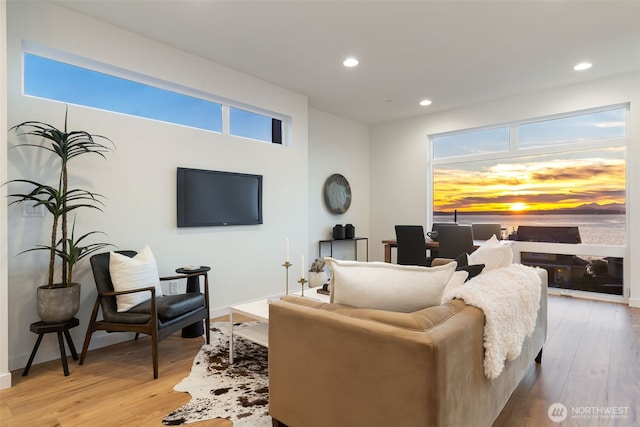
x=259, y=310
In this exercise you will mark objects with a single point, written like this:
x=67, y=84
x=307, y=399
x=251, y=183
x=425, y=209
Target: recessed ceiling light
x=425, y=102
x=583, y=66
x=350, y=62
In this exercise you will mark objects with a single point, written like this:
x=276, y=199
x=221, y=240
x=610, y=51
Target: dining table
x=431, y=245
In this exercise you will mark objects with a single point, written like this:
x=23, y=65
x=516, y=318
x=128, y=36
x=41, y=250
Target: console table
x=332, y=242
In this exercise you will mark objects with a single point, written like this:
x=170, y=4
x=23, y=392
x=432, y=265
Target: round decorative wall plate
x=337, y=194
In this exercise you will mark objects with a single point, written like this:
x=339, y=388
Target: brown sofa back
x=339, y=366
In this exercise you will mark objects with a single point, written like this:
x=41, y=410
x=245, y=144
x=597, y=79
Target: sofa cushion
x=421, y=320
x=493, y=254
x=385, y=286
x=138, y=272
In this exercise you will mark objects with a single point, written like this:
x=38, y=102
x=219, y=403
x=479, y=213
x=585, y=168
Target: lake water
x=594, y=229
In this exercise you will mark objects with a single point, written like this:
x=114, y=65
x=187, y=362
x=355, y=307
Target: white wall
x=5, y=376
x=338, y=145
x=399, y=155
x=138, y=179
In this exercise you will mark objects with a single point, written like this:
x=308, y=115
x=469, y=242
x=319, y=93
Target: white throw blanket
x=509, y=298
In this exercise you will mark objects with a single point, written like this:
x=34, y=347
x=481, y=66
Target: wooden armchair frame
x=152, y=326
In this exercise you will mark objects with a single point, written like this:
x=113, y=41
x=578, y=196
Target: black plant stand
x=193, y=285
x=42, y=328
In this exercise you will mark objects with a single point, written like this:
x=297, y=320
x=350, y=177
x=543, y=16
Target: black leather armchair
x=157, y=317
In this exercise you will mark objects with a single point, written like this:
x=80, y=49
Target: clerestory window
x=107, y=88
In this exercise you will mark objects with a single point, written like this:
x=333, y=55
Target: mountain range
x=585, y=209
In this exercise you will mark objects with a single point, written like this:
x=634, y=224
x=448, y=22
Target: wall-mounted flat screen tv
x=217, y=198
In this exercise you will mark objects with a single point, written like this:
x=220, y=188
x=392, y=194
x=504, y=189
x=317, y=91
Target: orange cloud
x=537, y=185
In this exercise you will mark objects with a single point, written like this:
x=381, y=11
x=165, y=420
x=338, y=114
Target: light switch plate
x=29, y=209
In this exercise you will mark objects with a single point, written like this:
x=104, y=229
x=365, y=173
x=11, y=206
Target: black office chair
x=411, y=245
x=157, y=317
x=454, y=241
x=484, y=231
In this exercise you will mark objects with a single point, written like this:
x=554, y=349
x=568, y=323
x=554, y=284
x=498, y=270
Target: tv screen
x=217, y=198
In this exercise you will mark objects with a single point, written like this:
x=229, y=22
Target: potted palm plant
x=59, y=301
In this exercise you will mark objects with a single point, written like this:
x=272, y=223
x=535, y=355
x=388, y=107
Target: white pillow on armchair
x=138, y=272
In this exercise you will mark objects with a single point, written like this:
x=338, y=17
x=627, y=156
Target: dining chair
x=436, y=225
x=484, y=231
x=411, y=245
x=454, y=241
x=434, y=229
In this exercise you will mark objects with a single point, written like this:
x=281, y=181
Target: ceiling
x=454, y=53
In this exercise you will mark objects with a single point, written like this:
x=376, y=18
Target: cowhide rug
x=238, y=392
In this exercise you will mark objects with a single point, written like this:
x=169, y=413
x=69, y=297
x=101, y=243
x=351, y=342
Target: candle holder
x=286, y=265
x=302, y=281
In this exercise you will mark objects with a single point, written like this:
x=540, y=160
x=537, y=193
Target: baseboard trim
x=634, y=302
x=588, y=295
x=49, y=353
x=5, y=380
x=98, y=340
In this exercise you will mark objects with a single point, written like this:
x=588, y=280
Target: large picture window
x=566, y=171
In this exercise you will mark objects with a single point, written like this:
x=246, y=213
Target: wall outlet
x=173, y=287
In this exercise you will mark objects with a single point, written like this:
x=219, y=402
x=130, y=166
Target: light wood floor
x=591, y=359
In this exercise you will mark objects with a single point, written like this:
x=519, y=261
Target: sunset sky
x=535, y=183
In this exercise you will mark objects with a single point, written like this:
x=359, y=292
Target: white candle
x=287, y=250
x=302, y=266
